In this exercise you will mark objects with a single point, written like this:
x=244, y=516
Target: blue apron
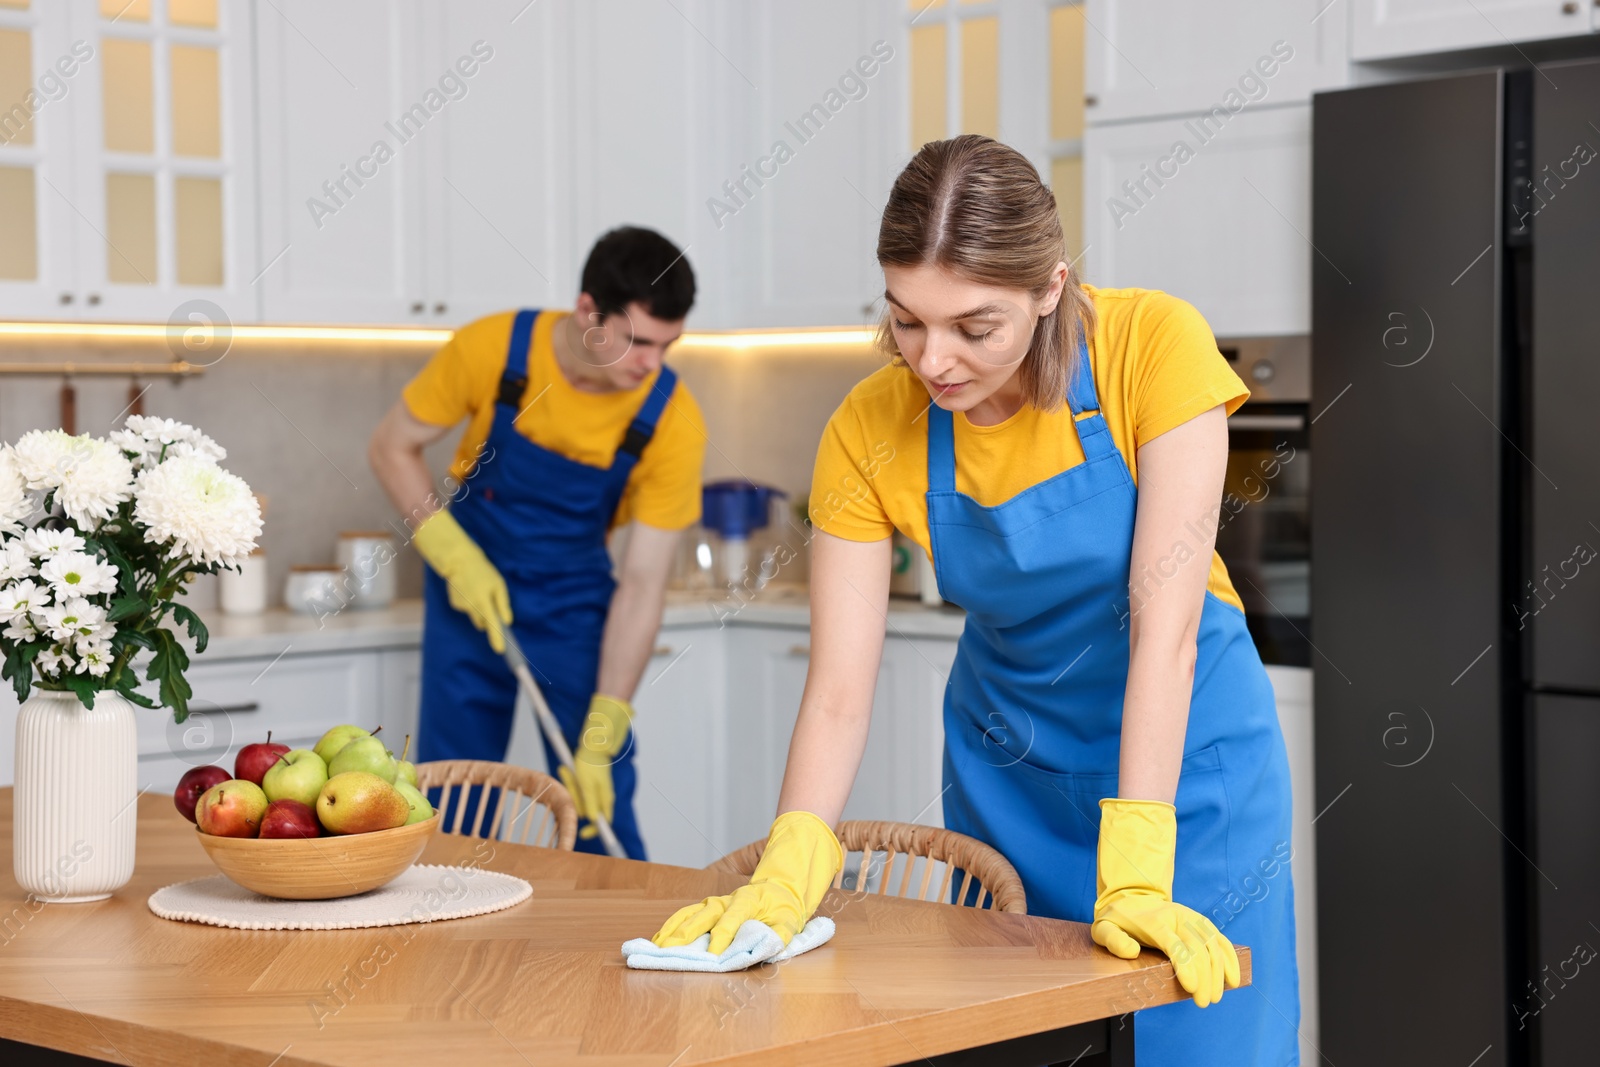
x=1033, y=721
x=542, y=519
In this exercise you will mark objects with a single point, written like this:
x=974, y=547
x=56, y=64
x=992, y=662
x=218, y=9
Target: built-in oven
x=1264, y=526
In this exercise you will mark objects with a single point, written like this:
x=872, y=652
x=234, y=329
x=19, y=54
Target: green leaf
x=166, y=669
x=197, y=629
x=128, y=688
x=83, y=685
x=19, y=667
x=126, y=607
x=125, y=638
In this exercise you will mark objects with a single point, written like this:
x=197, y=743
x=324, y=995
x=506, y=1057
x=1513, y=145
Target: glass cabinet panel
x=127, y=96
x=19, y=225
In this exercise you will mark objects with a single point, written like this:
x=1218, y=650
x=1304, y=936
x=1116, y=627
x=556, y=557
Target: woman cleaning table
x=1059, y=451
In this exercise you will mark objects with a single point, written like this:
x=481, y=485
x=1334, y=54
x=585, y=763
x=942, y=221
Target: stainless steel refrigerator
x=1455, y=541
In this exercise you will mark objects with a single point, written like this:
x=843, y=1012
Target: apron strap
x=514, y=382
x=643, y=426
x=941, y=450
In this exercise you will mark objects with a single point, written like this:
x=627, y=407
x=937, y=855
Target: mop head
x=756, y=942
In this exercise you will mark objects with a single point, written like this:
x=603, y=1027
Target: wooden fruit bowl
x=319, y=868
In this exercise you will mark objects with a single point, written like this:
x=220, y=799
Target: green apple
x=421, y=810
x=299, y=775
x=364, y=754
x=357, y=802
x=337, y=738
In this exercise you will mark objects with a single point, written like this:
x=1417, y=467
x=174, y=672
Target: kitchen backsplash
x=296, y=416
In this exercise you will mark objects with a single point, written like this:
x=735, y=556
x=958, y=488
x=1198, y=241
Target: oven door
x=1264, y=530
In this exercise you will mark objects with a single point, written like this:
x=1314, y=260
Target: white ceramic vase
x=74, y=810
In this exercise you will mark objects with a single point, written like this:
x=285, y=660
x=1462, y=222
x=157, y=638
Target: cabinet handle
x=800, y=651
x=439, y=308
x=65, y=298
x=417, y=307
x=233, y=709
x=94, y=298
x=1570, y=8
x=1090, y=100
x=661, y=650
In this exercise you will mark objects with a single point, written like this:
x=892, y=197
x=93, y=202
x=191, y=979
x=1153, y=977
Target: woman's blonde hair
x=977, y=208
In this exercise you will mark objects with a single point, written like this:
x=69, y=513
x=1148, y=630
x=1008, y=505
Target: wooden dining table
x=544, y=983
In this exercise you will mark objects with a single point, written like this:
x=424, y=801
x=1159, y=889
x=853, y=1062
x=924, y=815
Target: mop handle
x=552, y=733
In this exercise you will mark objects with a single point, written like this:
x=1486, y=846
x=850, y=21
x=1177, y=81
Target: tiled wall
x=295, y=418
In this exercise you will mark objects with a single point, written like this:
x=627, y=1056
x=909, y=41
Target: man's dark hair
x=631, y=263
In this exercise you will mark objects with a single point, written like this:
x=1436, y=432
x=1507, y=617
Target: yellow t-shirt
x=1155, y=364
x=463, y=378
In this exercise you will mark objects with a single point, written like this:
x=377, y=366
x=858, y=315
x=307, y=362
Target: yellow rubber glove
x=476, y=587
x=605, y=729
x=801, y=859
x=1138, y=843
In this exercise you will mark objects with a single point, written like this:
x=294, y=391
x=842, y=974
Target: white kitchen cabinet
x=1217, y=214
x=1387, y=29
x=342, y=207
x=809, y=167
x=680, y=732
x=1156, y=57
x=127, y=168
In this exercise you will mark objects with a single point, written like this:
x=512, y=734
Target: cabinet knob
x=1569, y=8
x=800, y=651
x=65, y=298
x=661, y=650
x=417, y=307
x=439, y=308
x=94, y=298
x=1090, y=100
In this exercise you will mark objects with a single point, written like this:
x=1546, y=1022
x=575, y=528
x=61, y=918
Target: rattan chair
x=517, y=793
x=988, y=881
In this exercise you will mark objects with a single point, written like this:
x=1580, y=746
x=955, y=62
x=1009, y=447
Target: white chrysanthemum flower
x=205, y=513
x=50, y=542
x=15, y=563
x=89, y=477
x=74, y=618
x=21, y=629
x=94, y=659
x=152, y=440
x=16, y=502
x=17, y=601
x=50, y=661
x=78, y=574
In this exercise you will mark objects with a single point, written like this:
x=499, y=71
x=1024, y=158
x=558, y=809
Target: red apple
x=253, y=761
x=290, y=818
x=232, y=809
x=196, y=780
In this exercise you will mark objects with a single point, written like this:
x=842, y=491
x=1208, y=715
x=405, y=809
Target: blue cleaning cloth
x=756, y=942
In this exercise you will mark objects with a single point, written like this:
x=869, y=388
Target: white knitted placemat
x=421, y=894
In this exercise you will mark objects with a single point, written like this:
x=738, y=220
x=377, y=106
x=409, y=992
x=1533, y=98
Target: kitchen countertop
x=542, y=982
x=400, y=625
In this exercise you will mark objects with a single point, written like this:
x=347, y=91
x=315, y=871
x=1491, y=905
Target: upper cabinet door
x=1383, y=29
x=1154, y=57
x=40, y=71
x=494, y=155
x=163, y=165
x=345, y=103
x=808, y=173
x=1221, y=222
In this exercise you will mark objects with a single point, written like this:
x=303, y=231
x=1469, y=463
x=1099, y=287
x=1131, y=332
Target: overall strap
x=514, y=382
x=643, y=426
x=941, y=450
x=1093, y=433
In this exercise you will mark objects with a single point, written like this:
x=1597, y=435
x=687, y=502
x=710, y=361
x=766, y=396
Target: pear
x=421, y=810
x=364, y=754
x=406, y=771
x=356, y=802
x=337, y=738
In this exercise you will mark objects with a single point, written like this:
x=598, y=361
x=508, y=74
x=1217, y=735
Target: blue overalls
x=1033, y=721
x=542, y=520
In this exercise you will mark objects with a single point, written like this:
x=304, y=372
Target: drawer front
x=236, y=702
